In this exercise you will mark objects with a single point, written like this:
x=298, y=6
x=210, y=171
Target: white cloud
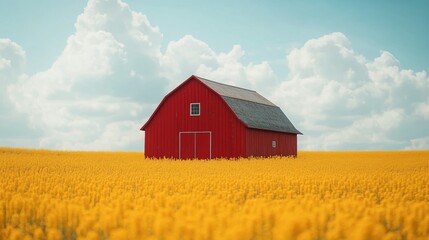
x=12, y=62
x=14, y=126
x=341, y=100
x=112, y=74
x=419, y=144
x=422, y=109
x=370, y=130
x=189, y=56
x=231, y=70
x=88, y=94
x=183, y=57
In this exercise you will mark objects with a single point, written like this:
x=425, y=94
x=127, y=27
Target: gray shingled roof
x=236, y=92
x=252, y=109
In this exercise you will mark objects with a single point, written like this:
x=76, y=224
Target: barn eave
x=261, y=116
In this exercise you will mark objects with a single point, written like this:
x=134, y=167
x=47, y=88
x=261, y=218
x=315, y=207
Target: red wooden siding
x=259, y=143
x=173, y=116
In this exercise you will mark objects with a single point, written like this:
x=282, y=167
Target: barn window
x=195, y=109
x=274, y=144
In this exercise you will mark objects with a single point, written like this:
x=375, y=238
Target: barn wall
x=162, y=132
x=259, y=143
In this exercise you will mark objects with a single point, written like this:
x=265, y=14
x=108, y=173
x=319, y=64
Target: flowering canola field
x=319, y=195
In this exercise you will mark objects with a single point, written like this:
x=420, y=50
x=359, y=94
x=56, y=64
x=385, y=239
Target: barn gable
x=204, y=83
x=253, y=109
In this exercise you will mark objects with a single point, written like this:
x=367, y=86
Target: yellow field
x=336, y=195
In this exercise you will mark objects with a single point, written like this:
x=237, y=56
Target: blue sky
x=265, y=29
x=60, y=71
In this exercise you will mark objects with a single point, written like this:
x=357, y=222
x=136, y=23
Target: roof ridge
x=272, y=104
x=201, y=78
x=235, y=92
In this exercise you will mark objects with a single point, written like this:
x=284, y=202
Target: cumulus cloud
x=13, y=124
x=100, y=84
x=112, y=74
x=422, y=110
x=12, y=60
x=183, y=57
x=341, y=100
x=419, y=144
x=370, y=131
x=189, y=56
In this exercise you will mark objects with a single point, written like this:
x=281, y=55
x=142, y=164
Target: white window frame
x=190, y=109
x=274, y=144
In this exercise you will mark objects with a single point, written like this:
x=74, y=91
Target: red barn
x=205, y=119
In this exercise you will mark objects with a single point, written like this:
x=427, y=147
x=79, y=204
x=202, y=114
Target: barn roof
x=251, y=108
x=236, y=92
